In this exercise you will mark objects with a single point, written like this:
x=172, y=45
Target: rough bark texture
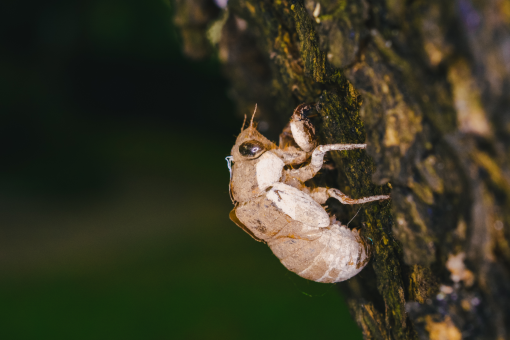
x=426, y=85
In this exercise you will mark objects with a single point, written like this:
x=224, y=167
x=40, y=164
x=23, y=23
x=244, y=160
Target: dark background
x=114, y=189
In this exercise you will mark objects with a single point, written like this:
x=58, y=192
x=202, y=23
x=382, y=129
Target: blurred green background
x=114, y=189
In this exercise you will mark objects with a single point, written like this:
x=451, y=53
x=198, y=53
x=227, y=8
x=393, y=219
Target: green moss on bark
x=425, y=85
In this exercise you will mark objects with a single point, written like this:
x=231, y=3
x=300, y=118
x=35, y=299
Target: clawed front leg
x=321, y=195
x=291, y=155
x=307, y=172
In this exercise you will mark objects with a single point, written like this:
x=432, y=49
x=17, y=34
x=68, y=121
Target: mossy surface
x=425, y=85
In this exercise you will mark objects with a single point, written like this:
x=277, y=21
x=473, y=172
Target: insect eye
x=251, y=149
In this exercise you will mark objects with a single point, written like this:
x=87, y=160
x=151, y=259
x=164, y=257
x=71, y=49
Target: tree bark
x=426, y=84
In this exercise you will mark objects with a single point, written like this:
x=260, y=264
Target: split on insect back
x=274, y=206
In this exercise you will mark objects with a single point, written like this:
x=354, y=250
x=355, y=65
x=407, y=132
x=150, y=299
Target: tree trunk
x=426, y=84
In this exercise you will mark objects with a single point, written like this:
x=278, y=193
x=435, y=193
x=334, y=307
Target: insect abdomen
x=336, y=256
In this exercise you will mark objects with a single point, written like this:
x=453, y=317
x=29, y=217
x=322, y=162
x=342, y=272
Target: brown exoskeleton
x=273, y=205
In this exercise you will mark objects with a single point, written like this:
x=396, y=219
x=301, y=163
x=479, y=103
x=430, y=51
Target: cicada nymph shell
x=274, y=206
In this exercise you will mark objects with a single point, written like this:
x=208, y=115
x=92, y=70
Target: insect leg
x=343, y=198
x=319, y=195
x=286, y=138
x=305, y=173
x=291, y=155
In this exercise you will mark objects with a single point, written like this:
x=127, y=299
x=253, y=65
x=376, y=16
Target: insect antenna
x=253, y=115
x=244, y=121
